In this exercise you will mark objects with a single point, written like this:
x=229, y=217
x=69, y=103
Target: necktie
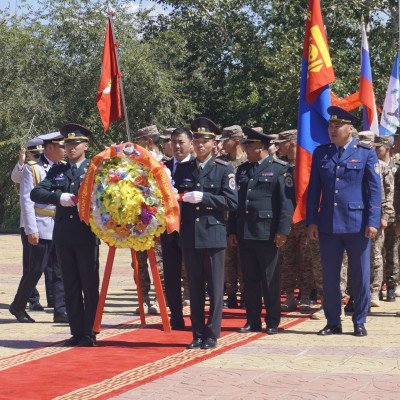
x=341, y=149
x=73, y=170
x=253, y=167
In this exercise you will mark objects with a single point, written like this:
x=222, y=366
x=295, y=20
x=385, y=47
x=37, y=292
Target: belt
x=43, y=211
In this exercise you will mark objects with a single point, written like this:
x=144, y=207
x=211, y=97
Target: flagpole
x=128, y=134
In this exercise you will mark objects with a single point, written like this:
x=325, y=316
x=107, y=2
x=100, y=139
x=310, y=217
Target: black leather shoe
x=86, y=341
x=61, y=318
x=232, y=301
x=331, y=330
x=250, y=328
x=36, y=307
x=21, y=315
x=349, y=307
x=271, y=330
x=391, y=295
x=209, y=343
x=195, y=344
x=359, y=330
x=178, y=325
x=72, y=341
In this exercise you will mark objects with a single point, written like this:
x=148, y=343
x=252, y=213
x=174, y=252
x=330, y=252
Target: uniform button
x=198, y=184
x=338, y=166
x=197, y=219
x=335, y=204
x=337, y=179
x=71, y=216
x=249, y=190
x=247, y=201
x=251, y=180
x=336, y=191
x=197, y=208
x=212, y=185
x=247, y=212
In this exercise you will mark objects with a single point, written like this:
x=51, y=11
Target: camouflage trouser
x=233, y=273
x=345, y=283
x=144, y=275
x=391, y=265
x=296, y=269
x=377, y=261
x=315, y=260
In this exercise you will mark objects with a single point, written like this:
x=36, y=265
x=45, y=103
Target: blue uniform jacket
x=344, y=196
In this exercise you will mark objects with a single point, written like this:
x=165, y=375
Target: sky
x=133, y=7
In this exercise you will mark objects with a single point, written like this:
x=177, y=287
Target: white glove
x=66, y=200
x=193, y=197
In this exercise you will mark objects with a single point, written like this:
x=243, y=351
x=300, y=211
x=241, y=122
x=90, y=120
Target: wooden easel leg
x=104, y=289
x=138, y=286
x=159, y=290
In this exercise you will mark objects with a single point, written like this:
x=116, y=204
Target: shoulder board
x=62, y=162
x=323, y=145
x=33, y=162
x=222, y=162
x=364, y=145
x=277, y=160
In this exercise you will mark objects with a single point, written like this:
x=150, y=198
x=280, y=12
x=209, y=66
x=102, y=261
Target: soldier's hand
x=384, y=223
x=193, y=197
x=370, y=232
x=280, y=240
x=33, y=239
x=22, y=156
x=312, y=231
x=232, y=239
x=67, y=200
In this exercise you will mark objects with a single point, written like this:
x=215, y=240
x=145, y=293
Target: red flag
x=108, y=91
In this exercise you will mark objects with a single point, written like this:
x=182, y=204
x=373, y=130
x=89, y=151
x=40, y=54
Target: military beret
x=234, y=131
x=286, y=136
x=204, y=128
x=53, y=137
x=35, y=145
x=384, y=141
x=75, y=133
x=254, y=135
x=366, y=136
x=166, y=134
x=340, y=115
x=147, y=131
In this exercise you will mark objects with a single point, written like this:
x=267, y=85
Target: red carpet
x=126, y=356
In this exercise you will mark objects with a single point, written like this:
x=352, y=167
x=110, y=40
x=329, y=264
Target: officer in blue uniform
x=343, y=211
x=76, y=245
x=260, y=227
x=38, y=222
x=210, y=190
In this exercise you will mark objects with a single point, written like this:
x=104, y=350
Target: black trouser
x=172, y=266
x=260, y=269
x=205, y=267
x=42, y=257
x=34, y=296
x=80, y=270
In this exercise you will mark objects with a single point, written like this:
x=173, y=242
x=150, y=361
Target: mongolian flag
x=317, y=74
x=108, y=91
x=367, y=97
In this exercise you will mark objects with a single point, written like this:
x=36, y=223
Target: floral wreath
x=127, y=198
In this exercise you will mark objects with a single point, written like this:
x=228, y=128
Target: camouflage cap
x=150, y=130
x=285, y=136
x=366, y=136
x=166, y=133
x=232, y=132
x=384, y=141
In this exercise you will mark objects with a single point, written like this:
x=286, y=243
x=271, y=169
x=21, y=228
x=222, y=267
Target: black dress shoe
x=391, y=295
x=86, y=341
x=72, y=341
x=178, y=325
x=36, y=307
x=359, y=330
x=271, y=330
x=61, y=318
x=209, y=343
x=331, y=330
x=21, y=315
x=250, y=328
x=195, y=343
x=232, y=301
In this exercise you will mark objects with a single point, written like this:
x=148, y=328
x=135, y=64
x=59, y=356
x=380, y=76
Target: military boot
x=375, y=299
x=391, y=295
x=290, y=304
x=146, y=305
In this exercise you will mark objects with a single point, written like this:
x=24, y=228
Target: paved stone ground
x=296, y=364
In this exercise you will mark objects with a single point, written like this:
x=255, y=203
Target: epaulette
x=364, y=145
x=62, y=162
x=33, y=162
x=222, y=162
x=279, y=161
x=324, y=144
